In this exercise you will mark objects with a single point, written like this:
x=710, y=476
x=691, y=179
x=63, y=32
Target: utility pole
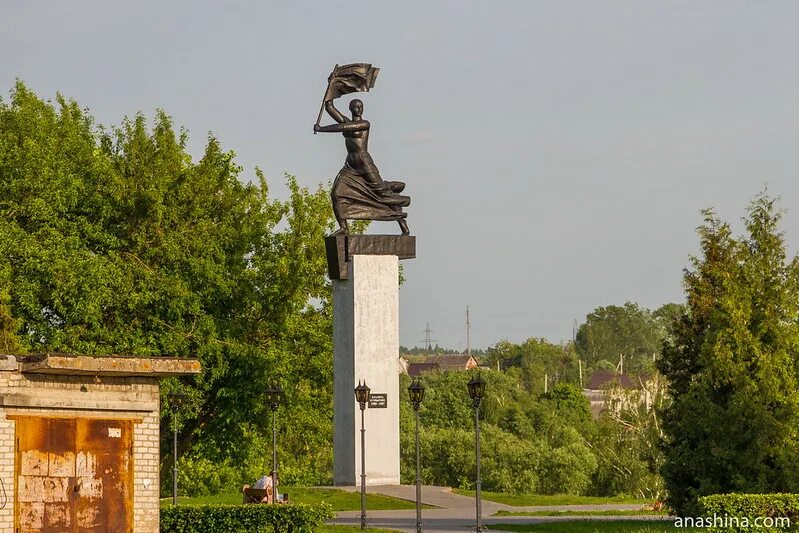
x=574, y=347
x=468, y=333
x=428, y=340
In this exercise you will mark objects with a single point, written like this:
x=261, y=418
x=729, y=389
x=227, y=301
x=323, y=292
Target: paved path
x=456, y=513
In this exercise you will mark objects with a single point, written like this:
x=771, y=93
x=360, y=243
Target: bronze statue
x=359, y=193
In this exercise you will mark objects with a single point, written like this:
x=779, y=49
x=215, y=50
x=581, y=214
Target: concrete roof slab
x=85, y=365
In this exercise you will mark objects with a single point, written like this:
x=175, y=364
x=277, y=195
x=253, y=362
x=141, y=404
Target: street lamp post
x=175, y=400
x=273, y=396
x=416, y=393
x=477, y=387
x=362, y=396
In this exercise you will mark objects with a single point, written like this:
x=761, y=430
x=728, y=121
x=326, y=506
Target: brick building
x=79, y=442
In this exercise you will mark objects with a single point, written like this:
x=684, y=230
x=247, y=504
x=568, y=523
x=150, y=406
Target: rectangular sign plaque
x=378, y=400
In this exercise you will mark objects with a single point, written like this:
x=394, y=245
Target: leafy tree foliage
x=627, y=441
x=526, y=446
x=732, y=365
x=627, y=332
x=532, y=441
x=568, y=402
x=9, y=326
x=535, y=360
x=437, y=350
x=114, y=241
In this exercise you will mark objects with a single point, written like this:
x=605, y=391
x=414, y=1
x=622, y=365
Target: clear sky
x=557, y=153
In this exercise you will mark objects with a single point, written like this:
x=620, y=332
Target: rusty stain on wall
x=33, y=463
x=31, y=515
x=72, y=475
x=61, y=464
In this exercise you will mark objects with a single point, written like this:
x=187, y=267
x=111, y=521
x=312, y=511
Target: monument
x=364, y=270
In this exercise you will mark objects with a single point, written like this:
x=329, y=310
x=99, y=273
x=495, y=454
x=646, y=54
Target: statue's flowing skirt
x=356, y=199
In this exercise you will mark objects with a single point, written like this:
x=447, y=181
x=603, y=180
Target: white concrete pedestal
x=366, y=347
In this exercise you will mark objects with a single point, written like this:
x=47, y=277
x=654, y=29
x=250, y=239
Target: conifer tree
x=732, y=425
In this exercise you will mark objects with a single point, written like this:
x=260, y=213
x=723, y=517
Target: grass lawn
x=539, y=499
x=596, y=526
x=341, y=500
x=611, y=512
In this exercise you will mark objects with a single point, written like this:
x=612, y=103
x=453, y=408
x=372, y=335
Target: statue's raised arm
x=335, y=113
x=359, y=193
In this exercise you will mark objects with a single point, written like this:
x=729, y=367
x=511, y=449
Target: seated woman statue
x=359, y=193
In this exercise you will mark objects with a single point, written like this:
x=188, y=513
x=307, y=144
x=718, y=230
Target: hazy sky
x=557, y=153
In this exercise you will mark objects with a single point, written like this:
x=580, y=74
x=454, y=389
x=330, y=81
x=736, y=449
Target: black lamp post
x=416, y=393
x=175, y=401
x=362, y=397
x=477, y=389
x=273, y=396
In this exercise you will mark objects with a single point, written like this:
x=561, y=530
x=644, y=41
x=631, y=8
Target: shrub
x=558, y=463
x=295, y=518
x=628, y=460
x=198, y=476
x=568, y=466
x=510, y=464
x=447, y=457
x=748, y=507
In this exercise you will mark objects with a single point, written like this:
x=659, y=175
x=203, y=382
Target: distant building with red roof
x=414, y=369
x=443, y=363
x=604, y=389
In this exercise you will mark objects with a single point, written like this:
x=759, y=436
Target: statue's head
x=356, y=107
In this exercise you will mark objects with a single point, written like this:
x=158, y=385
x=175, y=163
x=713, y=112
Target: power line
x=428, y=340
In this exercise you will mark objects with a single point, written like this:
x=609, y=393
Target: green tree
x=667, y=315
x=614, y=333
x=528, y=445
x=114, y=241
x=627, y=442
x=535, y=359
x=568, y=402
x=732, y=425
x=9, y=326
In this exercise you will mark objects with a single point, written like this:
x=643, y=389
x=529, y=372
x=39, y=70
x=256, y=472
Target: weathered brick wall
x=6, y=474
x=69, y=396
x=145, y=474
